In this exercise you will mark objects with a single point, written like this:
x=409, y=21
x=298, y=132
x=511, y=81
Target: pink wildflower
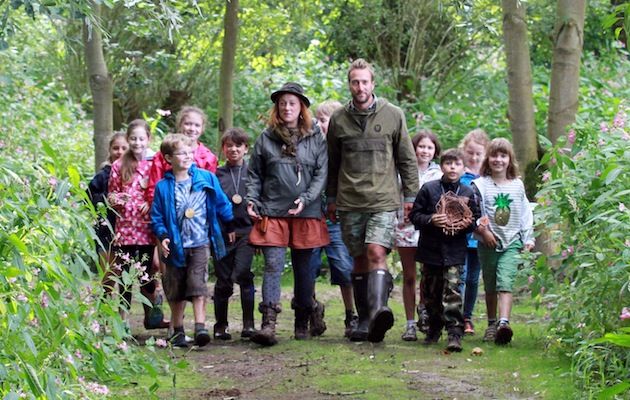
x=598, y=173
x=144, y=277
x=570, y=249
x=571, y=136
x=97, y=389
x=125, y=257
x=96, y=327
x=44, y=301
x=52, y=181
x=564, y=254
x=163, y=113
x=78, y=355
x=139, y=267
x=603, y=127
x=620, y=120
x=2, y=144
x=21, y=297
x=625, y=136
x=622, y=207
x=601, y=142
x=161, y=343
x=530, y=279
x=625, y=313
x=553, y=161
x=97, y=345
x=123, y=346
x=546, y=176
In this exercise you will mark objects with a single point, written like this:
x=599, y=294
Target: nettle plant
x=583, y=201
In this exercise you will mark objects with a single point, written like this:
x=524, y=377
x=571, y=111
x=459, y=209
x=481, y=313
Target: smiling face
x=361, y=87
x=498, y=163
x=425, y=151
x=181, y=159
x=289, y=107
x=474, y=154
x=452, y=169
x=192, y=126
x=233, y=152
x=138, y=140
x=117, y=148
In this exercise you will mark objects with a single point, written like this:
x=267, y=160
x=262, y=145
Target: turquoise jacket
x=164, y=219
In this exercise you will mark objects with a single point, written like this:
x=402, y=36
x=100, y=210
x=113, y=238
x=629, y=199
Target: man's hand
x=331, y=210
x=165, y=249
x=406, y=210
x=299, y=207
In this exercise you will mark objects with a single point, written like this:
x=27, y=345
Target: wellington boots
x=247, y=304
x=301, y=323
x=359, y=288
x=266, y=336
x=380, y=285
x=316, y=319
x=221, y=315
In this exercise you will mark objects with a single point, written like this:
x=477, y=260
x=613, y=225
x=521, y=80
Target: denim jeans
x=470, y=282
x=339, y=260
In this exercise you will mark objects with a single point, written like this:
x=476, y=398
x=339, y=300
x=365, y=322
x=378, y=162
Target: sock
x=411, y=322
x=504, y=321
x=492, y=322
x=178, y=329
x=199, y=326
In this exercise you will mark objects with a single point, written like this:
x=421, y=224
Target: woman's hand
x=251, y=211
x=299, y=207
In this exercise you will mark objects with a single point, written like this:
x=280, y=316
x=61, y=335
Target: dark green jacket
x=366, y=153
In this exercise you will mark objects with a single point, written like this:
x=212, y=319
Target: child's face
x=474, y=154
x=498, y=163
x=233, y=152
x=138, y=142
x=452, y=170
x=192, y=126
x=118, y=148
x=323, y=120
x=181, y=159
x=425, y=151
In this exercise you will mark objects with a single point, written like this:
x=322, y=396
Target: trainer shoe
x=454, y=343
x=178, y=339
x=490, y=334
x=469, y=328
x=410, y=334
x=504, y=333
x=202, y=337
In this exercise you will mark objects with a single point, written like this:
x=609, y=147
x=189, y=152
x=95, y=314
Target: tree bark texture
x=101, y=87
x=521, y=100
x=226, y=74
x=565, y=68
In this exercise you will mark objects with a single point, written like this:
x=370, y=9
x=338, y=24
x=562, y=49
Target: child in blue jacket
x=184, y=214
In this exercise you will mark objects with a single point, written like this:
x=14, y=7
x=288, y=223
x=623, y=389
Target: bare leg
x=346, y=295
x=491, y=305
x=407, y=259
x=199, y=309
x=177, y=313
x=376, y=257
x=505, y=305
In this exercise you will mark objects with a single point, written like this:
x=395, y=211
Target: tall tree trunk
x=565, y=66
x=101, y=86
x=226, y=74
x=521, y=100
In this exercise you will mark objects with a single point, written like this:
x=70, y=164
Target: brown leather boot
x=266, y=336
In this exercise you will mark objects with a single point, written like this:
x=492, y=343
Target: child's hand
x=165, y=249
x=528, y=247
x=251, y=211
x=439, y=220
x=331, y=210
x=488, y=238
x=231, y=237
x=144, y=208
x=298, y=209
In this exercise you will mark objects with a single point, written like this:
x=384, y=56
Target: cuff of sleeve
x=409, y=199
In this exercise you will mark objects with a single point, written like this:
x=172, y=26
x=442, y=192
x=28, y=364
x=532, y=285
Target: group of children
x=192, y=209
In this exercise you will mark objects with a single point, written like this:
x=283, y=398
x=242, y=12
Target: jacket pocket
x=365, y=155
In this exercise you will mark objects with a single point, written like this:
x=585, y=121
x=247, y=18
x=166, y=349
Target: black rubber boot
x=247, y=304
x=221, y=315
x=359, y=288
x=380, y=285
x=266, y=336
x=301, y=323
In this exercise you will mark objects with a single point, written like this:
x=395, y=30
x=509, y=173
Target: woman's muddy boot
x=247, y=304
x=266, y=336
x=301, y=323
x=380, y=285
x=318, y=325
x=359, y=288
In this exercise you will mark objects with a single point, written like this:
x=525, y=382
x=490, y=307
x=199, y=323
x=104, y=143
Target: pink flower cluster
x=625, y=313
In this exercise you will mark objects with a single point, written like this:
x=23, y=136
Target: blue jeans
x=339, y=259
x=470, y=282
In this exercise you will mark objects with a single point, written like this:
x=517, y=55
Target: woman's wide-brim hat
x=292, y=88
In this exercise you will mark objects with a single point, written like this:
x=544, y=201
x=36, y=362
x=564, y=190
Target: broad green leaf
x=75, y=177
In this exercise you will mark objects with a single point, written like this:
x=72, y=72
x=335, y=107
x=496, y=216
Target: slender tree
x=101, y=84
x=226, y=74
x=519, y=78
x=568, y=40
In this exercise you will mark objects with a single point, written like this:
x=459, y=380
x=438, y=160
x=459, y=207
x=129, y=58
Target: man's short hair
x=360, y=63
x=451, y=155
x=237, y=135
x=174, y=141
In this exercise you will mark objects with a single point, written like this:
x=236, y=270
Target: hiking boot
x=202, y=337
x=469, y=328
x=266, y=336
x=380, y=285
x=301, y=323
x=359, y=289
x=221, y=332
x=504, y=334
x=491, y=333
x=178, y=339
x=350, y=323
x=318, y=325
x=410, y=334
x=432, y=337
x=454, y=343
x=423, y=318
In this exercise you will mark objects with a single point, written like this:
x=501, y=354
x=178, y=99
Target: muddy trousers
x=443, y=299
x=303, y=280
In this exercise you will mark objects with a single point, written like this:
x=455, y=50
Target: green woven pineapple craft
x=502, y=212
